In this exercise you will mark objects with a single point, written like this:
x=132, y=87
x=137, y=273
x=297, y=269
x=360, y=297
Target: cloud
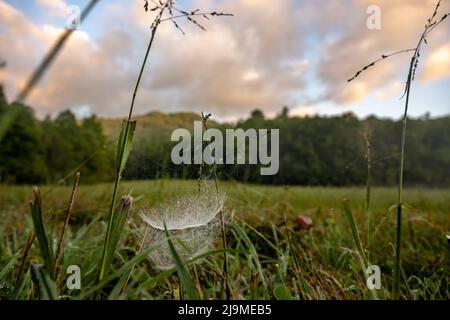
x=354, y=46
x=56, y=8
x=437, y=66
x=18, y=38
x=240, y=63
x=392, y=89
x=264, y=57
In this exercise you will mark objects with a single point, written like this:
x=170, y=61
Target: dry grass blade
x=66, y=224
x=141, y=247
x=30, y=241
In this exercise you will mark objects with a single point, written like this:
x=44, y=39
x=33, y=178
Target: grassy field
x=270, y=253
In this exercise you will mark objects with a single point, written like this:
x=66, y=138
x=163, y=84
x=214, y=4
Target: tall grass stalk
x=431, y=24
x=128, y=126
x=126, y=138
x=66, y=224
x=141, y=248
x=226, y=285
x=367, y=139
x=30, y=241
x=397, y=274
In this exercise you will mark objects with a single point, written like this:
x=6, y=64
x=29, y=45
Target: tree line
x=51, y=150
x=313, y=150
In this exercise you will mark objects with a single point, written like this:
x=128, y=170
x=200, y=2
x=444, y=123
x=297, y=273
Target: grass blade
x=282, y=293
x=188, y=287
x=118, y=222
x=6, y=269
x=141, y=247
x=120, y=218
x=351, y=221
x=66, y=224
x=20, y=291
x=36, y=213
x=30, y=241
x=46, y=287
x=254, y=253
x=124, y=147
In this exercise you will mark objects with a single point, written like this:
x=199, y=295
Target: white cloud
x=355, y=46
x=394, y=88
x=250, y=75
x=56, y=8
x=437, y=66
x=260, y=58
x=234, y=67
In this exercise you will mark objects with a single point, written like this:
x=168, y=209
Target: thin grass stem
x=66, y=224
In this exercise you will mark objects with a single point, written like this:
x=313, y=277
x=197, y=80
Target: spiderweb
x=193, y=222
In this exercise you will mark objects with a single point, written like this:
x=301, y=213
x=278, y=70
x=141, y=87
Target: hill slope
x=155, y=120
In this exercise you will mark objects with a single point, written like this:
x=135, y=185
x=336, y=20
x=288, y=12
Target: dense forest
x=313, y=150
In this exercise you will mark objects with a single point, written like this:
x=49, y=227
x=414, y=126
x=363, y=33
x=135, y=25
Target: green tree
x=21, y=151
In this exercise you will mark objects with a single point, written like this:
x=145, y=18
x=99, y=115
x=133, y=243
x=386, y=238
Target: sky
x=270, y=54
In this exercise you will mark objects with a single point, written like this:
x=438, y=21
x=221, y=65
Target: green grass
x=268, y=256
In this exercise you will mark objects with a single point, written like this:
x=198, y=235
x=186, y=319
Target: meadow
x=213, y=239
x=273, y=250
